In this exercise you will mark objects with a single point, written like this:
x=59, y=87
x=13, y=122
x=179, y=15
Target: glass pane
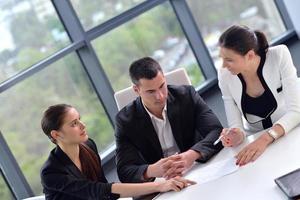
x=156, y=33
x=94, y=12
x=30, y=30
x=64, y=82
x=4, y=190
x=257, y=14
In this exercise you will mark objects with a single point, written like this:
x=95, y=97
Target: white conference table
x=252, y=181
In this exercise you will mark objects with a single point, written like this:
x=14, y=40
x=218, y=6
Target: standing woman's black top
x=262, y=106
x=61, y=179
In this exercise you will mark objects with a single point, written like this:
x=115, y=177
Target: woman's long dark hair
x=241, y=39
x=53, y=120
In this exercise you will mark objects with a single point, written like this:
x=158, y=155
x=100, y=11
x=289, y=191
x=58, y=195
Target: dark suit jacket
x=61, y=179
x=193, y=124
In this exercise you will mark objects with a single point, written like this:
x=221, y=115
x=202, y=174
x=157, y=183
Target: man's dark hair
x=145, y=67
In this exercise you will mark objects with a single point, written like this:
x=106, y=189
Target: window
x=4, y=190
x=63, y=82
x=94, y=12
x=155, y=33
x=30, y=30
x=214, y=16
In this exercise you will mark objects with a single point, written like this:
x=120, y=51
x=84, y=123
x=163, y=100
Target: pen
x=221, y=136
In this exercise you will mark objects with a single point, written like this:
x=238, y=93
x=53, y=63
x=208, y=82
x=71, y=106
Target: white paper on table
x=208, y=173
x=213, y=171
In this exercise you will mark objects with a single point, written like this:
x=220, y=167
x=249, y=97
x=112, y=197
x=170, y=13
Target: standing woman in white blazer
x=260, y=90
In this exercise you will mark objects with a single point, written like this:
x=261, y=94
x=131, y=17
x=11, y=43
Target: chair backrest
x=176, y=77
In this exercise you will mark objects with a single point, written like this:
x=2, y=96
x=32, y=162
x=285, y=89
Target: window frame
x=12, y=173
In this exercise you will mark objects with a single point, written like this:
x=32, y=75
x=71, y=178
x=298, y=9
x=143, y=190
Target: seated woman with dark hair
x=73, y=169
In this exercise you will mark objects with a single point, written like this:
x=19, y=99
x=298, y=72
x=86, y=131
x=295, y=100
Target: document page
x=213, y=171
x=205, y=174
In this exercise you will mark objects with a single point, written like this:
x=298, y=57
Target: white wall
x=293, y=8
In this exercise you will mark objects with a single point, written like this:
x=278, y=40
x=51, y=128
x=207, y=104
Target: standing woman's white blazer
x=280, y=76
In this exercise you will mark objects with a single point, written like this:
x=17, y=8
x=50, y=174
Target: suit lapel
x=237, y=90
x=67, y=162
x=150, y=134
x=174, y=117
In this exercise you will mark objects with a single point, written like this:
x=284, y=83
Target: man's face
x=153, y=92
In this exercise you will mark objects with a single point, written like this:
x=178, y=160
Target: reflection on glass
x=64, y=82
x=94, y=12
x=256, y=14
x=30, y=30
x=4, y=190
x=156, y=33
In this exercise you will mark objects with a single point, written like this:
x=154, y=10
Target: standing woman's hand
x=232, y=137
x=253, y=150
x=175, y=184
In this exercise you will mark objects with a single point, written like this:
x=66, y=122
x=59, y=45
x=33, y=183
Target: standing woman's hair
x=241, y=39
x=53, y=119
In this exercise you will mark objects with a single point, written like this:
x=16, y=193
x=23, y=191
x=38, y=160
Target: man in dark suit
x=164, y=130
